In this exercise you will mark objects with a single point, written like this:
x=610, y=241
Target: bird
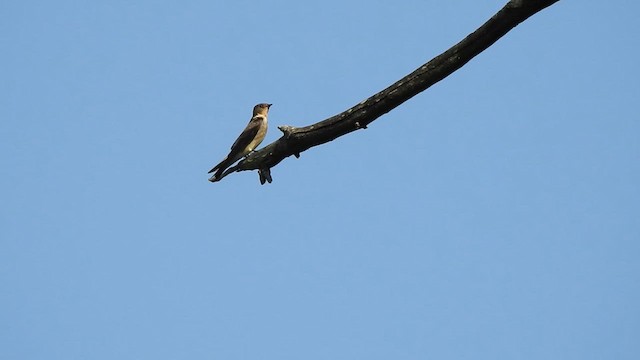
x=248, y=140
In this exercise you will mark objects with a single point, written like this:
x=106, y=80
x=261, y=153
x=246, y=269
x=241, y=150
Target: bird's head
x=262, y=108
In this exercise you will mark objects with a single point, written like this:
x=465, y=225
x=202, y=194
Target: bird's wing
x=247, y=135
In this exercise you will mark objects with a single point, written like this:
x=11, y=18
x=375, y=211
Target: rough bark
x=298, y=139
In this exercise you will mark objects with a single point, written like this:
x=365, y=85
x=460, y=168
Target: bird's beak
x=269, y=105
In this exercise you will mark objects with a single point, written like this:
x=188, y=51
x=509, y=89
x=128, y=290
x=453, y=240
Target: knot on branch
x=360, y=126
x=265, y=175
x=287, y=130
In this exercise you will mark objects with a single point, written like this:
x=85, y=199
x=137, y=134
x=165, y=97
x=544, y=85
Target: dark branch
x=296, y=140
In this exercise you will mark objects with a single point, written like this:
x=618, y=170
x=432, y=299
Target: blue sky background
x=494, y=216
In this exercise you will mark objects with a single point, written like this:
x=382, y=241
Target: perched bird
x=248, y=140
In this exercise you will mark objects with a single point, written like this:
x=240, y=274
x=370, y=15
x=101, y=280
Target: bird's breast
x=262, y=132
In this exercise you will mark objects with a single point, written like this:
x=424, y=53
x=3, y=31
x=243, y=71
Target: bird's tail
x=221, y=167
x=217, y=166
x=224, y=164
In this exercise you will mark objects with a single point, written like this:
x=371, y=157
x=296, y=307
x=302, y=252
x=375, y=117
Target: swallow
x=248, y=140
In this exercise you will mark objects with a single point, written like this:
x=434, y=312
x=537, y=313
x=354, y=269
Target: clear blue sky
x=494, y=216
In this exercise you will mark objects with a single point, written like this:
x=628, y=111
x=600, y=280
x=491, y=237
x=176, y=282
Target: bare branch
x=296, y=140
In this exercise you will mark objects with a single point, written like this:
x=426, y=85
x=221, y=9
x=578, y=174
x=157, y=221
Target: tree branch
x=296, y=140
